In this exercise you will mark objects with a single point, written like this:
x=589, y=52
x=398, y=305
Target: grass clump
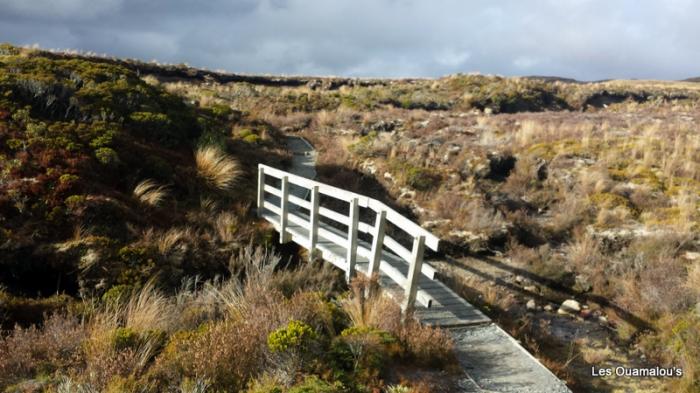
x=217, y=168
x=150, y=193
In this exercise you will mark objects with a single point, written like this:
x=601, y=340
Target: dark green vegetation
x=76, y=138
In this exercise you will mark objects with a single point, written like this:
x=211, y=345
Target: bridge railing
x=377, y=230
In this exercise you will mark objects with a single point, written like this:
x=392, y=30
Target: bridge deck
x=437, y=304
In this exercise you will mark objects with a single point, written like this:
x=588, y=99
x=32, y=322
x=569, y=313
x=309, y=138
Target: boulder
x=531, y=305
x=569, y=307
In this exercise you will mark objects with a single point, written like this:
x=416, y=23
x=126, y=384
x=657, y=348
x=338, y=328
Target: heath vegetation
x=126, y=224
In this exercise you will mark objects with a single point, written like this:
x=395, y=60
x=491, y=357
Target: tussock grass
x=218, y=169
x=368, y=307
x=149, y=309
x=150, y=193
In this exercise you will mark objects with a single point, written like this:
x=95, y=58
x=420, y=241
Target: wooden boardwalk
x=406, y=278
x=492, y=360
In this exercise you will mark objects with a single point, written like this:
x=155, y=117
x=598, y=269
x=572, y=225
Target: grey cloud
x=585, y=39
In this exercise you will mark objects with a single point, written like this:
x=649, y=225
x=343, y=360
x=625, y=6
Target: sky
x=582, y=39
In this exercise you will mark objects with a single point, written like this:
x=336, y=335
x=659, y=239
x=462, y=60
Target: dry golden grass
x=584, y=252
x=693, y=280
x=147, y=314
x=218, y=169
x=595, y=356
x=169, y=241
x=150, y=309
x=150, y=193
x=367, y=306
x=567, y=213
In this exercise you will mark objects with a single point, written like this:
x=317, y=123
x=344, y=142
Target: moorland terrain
x=131, y=258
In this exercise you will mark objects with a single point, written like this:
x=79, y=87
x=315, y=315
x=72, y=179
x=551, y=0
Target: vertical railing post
x=284, y=206
x=351, y=256
x=261, y=190
x=414, y=273
x=313, y=221
x=377, y=242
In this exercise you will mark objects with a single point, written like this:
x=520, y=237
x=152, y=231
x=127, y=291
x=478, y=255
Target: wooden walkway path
x=294, y=204
x=402, y=273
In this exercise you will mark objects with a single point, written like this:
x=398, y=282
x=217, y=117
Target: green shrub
x=68, y=178
x=15, y=144
x=117, y=294
x=362, y=351
x=126, y=338
x=421, y=178
x=221, y=110
x=107, y=156
x=245, y=132
x=364, y=145
x=153, y=126
x=75, y=201
x=296, y=335
x=123, y=338
x=253, y=138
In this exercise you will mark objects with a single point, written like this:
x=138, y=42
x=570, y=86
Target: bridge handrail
x=414, y=257
x=408, y=226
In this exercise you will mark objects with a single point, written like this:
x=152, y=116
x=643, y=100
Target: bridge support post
x=351, y=256
x=414, y=273
x=261, y=190
x=377, y=241
x=313, y=221
x=284, y=210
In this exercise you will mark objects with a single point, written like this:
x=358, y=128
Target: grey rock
x=569, y=307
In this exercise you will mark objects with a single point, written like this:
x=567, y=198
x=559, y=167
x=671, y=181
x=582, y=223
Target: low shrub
x=295, y=336
x=427, y=345
x=107, y=156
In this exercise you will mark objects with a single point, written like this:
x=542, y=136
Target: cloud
x=585, y=39
x=59, y=9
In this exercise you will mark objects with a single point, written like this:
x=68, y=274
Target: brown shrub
x=231, y=352
x=524, y=177
x=25, y=352
x=427, y=345
x=567, y=214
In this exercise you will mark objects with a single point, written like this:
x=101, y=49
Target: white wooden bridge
x=360, y=234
